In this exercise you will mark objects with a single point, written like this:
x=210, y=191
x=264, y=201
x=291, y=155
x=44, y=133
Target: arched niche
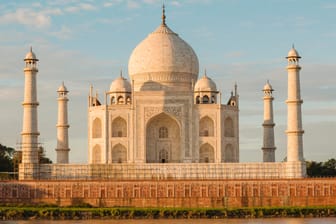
x=229, y=154
x=206, y=154
x=206, y=127
x=228, y=127
x=96, y=154
x=96, y=128
x=119, y=154
x=119, y=127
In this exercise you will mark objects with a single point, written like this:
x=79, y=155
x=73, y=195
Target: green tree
x=6, y=158
x=321, y=169
x=329, y=168
x=43, y=159
x=10, y=159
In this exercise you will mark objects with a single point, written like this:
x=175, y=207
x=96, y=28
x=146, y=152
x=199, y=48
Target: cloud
x=234, y=54
x=175, y=3
x=114, y=21
x=151, y=1
x=329, y=6
x=64, y=33
x=133, y=4
x=108, y=4
x=86, y=6
x=27, y=17
x=199, y=1
x=52, y=11
x=80, y=7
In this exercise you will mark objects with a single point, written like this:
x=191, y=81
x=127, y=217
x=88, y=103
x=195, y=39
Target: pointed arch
x=120, y=100
x=163, y=139
x=119, y=127
x=119, y=154
x=213, y=99
x=206, y=154
x=96, y=128
x=113, y=100
x=206, y=126
x=198, y=100
x=96, y=154
x=128, y=100
x=228, y=127
x=205, y=99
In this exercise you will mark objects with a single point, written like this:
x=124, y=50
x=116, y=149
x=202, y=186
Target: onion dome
x=62, y=88
x=120, y=85
x=31, y=55
x=293, y=53
x=163, y=51
x=205, y=84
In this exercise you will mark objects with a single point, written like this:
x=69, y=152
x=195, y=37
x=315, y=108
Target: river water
x=184, y=221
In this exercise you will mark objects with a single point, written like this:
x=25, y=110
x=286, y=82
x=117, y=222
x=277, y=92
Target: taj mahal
x=165, y=120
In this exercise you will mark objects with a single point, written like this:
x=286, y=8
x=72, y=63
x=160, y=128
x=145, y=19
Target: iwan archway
x=163, y=140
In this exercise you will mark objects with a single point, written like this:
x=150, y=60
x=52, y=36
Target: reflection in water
x=183, y=221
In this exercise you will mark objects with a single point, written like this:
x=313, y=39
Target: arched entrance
x=163, y=140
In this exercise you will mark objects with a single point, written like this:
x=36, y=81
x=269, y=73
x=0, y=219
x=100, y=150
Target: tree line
x=321, y=169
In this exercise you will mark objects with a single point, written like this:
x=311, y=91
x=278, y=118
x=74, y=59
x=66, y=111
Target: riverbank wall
x=173, y=193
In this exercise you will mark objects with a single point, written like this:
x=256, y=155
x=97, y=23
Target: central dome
x=163, y=57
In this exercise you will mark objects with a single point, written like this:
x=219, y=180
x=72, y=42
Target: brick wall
x=174, y=193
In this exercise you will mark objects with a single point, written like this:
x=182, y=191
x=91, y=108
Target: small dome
x=268, y=87
x=120, y=85
x=205, y=84
x=293, y=53
x=62, y=88
x=31, y=55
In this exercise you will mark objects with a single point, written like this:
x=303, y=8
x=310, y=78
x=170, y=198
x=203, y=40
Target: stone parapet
x=174, y=171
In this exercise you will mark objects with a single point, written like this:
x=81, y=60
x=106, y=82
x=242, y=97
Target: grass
x=54, y=212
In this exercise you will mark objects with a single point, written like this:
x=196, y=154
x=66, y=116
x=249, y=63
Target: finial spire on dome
x=205, y=73
x=30, y=56
x=163, y=15
x=121, y=75
x=236, y=89
x=293, y=53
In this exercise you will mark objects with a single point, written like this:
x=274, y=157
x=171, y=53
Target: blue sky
x=88, y=42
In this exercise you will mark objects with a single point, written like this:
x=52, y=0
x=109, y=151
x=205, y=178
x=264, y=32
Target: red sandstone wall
x=174, y=193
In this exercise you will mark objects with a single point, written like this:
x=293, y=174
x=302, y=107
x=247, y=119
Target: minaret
x=268, y=145
x=62, y=149
x=30, y=155
x=294, y=101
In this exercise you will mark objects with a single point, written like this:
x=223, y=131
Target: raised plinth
x=176, y=171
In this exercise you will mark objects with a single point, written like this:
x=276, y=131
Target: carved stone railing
x=172, y=171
